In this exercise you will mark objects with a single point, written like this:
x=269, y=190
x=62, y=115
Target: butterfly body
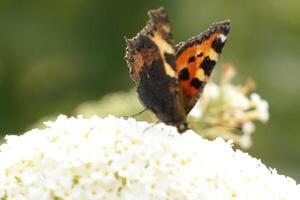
x=171, y=78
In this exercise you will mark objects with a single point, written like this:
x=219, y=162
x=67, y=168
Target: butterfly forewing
x=195, y=60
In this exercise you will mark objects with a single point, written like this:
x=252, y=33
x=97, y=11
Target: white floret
x=113, y=158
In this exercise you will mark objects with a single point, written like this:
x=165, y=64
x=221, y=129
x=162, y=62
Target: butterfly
x=171, y=78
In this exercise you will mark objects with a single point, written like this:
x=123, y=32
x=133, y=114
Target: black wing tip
x=158, y=14
x=221, y=27
x=217, y=27
x=156, y=17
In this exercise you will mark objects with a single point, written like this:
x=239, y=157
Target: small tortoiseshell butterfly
x=170, y=79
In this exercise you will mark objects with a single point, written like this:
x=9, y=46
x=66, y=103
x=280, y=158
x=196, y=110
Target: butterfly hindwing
x=195, y=60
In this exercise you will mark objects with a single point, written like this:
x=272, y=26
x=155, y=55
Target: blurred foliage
x=56, y=54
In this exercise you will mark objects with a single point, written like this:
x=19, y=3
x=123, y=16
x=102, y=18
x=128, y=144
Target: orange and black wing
x=151, y=59
x=196, y=58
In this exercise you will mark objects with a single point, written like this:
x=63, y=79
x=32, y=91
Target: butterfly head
x=182, y=126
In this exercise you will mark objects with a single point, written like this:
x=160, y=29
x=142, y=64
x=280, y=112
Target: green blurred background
x=55, y=55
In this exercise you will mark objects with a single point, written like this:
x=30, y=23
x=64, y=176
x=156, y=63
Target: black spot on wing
x=200, y=54
x=191, y=59
x=196, y=83
x=207, y=65
x=170, y=59
x=219, y=27
x=184, y=74
x=218, y=45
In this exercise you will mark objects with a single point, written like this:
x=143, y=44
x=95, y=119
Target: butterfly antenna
x=151, y=126
x=136, y=114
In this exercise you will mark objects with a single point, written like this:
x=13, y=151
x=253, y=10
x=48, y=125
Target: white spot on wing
x=223, y=37
x=198, y=53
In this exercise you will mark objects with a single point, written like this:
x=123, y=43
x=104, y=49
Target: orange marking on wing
x=182, y=62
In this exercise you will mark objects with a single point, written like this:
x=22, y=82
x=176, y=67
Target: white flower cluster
x=113, y=159
x=231, y=107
